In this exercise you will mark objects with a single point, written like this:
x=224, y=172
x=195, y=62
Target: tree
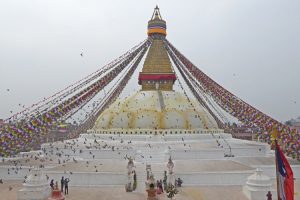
x=171, y=191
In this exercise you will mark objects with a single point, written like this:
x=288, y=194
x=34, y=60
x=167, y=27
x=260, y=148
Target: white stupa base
x=35, y=187
x=35, y=194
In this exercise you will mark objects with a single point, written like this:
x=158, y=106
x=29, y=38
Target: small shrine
x=258, y=186
x=35, y=187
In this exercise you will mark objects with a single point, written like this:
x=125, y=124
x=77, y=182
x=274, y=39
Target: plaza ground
x=118, y=193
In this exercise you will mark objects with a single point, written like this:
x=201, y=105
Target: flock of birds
x=65, y=155
x=67, y=152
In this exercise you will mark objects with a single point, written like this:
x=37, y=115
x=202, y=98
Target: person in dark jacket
x=62, y=183
x=52, y=184
x=67, y=180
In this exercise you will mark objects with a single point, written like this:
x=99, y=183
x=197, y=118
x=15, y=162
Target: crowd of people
x=64, y=185
x=162, y=184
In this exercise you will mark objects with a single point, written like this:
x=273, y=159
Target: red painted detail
x=156, y=77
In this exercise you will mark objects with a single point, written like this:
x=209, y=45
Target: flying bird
x=81, y=54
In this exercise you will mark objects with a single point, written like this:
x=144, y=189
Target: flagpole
x=277, y=176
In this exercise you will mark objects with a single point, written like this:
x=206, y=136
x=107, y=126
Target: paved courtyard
x=118, y=193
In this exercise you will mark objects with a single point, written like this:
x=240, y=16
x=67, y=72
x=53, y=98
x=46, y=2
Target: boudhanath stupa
x=151, y=128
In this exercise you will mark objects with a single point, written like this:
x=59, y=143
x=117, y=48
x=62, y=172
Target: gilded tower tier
x=157, y=73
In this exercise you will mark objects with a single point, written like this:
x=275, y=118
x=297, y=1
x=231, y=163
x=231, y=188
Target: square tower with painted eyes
x=157, y=73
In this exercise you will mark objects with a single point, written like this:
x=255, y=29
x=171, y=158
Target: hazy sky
x=251, y=47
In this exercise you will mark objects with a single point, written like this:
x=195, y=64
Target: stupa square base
x=42, y=194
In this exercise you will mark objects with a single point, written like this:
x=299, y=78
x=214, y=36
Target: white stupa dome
x=155, y=110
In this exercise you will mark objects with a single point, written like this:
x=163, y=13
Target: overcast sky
x=252, y=48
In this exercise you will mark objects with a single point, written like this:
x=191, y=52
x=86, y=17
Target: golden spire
x=157, y=73
x=156, y=25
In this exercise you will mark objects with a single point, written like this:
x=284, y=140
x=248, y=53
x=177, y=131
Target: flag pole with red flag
x=284, y=175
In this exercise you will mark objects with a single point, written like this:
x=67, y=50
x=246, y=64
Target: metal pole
x=277, y=175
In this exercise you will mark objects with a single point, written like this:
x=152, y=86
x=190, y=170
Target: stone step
x=152, y=161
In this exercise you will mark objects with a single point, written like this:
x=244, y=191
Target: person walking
x=52, y=184
x=161, y=186
x=62, y=183
x=66, y=183
x=134, y=180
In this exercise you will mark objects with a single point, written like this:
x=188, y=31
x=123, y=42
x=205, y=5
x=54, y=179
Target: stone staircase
x=151, y=156
x=161, y=100
x=142, y=177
